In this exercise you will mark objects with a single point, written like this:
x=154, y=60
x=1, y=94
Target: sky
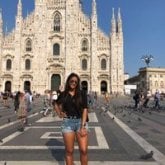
x=143, y=27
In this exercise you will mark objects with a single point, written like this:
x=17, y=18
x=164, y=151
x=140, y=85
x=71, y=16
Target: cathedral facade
x=55, y=39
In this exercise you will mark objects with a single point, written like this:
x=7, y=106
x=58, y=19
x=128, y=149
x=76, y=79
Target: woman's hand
x=58, y=110
x=83, y=132
x=62, y=114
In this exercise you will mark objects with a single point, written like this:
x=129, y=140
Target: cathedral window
x=84, y=64
x=8, y=64
x=27, y=64
x=84, y=46
x=103, y=64
x=57, y=22
x=28, y=45
x=56, y=49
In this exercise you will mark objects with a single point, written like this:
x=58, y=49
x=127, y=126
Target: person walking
x=22, y=112
x=16, y=101
x=5, y=97
x=147, y=98
x=28, y=104
x=71, y=105
x=47, y=102
x=136, y=98
x=54, y=98
x=157, y=100
x=28, y=100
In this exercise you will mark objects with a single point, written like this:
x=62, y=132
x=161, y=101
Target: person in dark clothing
x=147, y=98
x=5, y=97
x=157, y=100
x=71, y=105
x=136, y=98
x=16, y=101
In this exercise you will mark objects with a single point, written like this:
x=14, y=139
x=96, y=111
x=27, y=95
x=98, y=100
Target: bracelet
x=83, y=125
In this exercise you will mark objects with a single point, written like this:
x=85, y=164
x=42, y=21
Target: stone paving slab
x=76, y=163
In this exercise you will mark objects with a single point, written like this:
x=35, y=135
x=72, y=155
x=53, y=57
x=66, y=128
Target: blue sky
x=143, y=26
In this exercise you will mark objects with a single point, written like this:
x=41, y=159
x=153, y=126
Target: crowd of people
x=22, y=104
x=142, y=99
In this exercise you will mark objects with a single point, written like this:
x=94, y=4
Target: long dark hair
x=78, y=97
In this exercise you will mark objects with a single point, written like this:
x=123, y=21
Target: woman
x=71, y=105
x=22, y=113
x=16, y=101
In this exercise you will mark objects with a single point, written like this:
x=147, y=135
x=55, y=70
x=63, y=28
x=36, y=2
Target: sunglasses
x=73, y=82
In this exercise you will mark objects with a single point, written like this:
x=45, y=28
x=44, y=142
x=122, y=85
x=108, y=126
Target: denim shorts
x=71, y=125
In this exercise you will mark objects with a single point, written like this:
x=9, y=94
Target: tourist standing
x=71, y=105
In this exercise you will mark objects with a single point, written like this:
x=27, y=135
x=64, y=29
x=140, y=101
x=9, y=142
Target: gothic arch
x=57, y=21
x=27, y=85
x=56, y=49
x=27, y=64
x=9, y=56
x=84, y=45
x=84, y=85
x=103, y=87
x=55, y=82
x=8, y=64
x=8, y=86
x=28, y=45
x=103, y=64
x=84, y=64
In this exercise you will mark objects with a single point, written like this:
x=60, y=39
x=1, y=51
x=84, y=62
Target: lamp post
x=147, y=59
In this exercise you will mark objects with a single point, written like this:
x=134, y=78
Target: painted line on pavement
x=12, y=136
x=92, y=117
x=48, y=135
x=101, y=141
x=158, y=156
x=17, y=121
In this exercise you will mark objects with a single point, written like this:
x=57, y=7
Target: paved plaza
x=119, y=135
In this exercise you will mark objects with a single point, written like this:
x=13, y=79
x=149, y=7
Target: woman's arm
x=85, y=109
x=83, y=131
x=84, y=118
x=58, y=110
x=58, y=106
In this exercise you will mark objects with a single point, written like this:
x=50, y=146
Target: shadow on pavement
x=57, y=154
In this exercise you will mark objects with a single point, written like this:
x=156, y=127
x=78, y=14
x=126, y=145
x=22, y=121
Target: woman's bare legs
x=69, y=139
x=83, y=147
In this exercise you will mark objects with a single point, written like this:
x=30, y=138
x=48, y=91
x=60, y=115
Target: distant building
x=151, y=79
x=57, y=38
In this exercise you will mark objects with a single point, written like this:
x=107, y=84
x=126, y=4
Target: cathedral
x=58, y=38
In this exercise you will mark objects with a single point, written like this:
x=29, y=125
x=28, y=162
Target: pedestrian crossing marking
x=101, y=141
x=51, y=135
x=92, y=118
